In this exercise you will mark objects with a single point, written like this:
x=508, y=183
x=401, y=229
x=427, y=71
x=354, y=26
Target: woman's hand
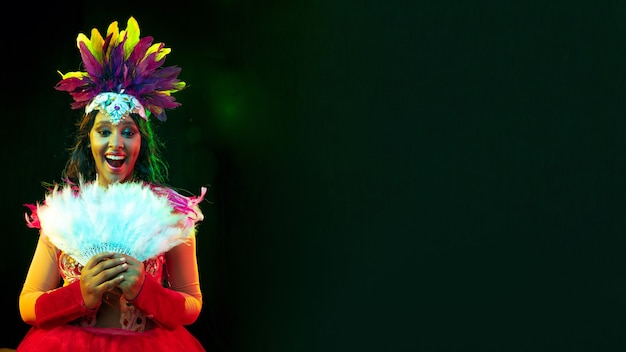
x=102, y=273
x=133, y=277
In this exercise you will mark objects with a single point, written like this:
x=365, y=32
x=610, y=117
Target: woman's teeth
x=115, y=160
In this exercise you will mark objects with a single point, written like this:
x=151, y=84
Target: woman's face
x=115, y=148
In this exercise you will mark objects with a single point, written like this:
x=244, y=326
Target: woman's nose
x=116, y=141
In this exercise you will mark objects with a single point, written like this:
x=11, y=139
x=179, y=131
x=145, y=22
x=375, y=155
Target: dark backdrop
x=384, y=176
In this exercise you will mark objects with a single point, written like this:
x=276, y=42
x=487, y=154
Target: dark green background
x=384, y=176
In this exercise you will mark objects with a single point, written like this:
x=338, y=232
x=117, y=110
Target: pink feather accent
x=32, y=220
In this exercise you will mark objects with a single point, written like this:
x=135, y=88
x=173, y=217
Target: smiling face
x=115, y=148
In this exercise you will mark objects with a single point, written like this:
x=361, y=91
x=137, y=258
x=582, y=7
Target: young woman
x=115, y=265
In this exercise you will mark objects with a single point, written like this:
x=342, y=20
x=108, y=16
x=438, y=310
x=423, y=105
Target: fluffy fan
x=126, y=218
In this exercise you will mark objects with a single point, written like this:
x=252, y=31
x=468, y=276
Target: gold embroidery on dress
x=131, y=318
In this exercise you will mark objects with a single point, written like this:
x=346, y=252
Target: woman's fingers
x=102, y=273
x=97, y=259
x=133, y=277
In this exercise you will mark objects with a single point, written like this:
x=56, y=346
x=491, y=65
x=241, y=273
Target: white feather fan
x=126, y=218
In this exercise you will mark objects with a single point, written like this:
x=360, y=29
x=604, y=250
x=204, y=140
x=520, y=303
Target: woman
x=115, y=265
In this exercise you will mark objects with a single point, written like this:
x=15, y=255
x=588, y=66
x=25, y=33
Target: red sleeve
x=60, y=306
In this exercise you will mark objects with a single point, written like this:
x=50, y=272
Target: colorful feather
x=123, y=62
x=130, y=218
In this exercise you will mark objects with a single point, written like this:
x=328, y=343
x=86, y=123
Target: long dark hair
x=150, y=165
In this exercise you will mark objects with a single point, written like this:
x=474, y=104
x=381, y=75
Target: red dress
x=137, y=330
x=137, y=334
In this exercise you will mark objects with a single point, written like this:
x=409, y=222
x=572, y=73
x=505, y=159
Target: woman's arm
x=45, y=302
x=42, y=277
x=182, y=269
x=170, y=307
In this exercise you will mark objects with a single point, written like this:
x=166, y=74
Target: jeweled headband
x=123, y=74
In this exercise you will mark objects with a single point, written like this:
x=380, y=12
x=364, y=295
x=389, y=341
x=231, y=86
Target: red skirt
x=75, y=338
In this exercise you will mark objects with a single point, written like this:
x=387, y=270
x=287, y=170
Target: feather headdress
x=129, y=218
x=123, y=73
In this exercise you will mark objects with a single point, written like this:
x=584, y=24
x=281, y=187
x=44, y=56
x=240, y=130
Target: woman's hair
x=150, y=165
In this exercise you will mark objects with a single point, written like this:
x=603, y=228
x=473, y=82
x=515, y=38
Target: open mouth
x=115, y=160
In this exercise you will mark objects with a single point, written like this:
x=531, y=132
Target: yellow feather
x=82, y=38
x=157, y=110
x=114, y=32
x=161, y=53
x=153, y=48
x=96, y=45
x=132, y=30
x=113, y=29
x=120, y=37
x=76, y=74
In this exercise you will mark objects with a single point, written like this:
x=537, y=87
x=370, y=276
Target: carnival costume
x=124, y=74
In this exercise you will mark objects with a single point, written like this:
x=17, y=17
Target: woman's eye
x=128, y=133
x=104, y=133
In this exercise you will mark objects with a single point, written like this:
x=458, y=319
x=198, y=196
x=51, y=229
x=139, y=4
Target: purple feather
x=140, y=50
x=140, y=76
x=92, y=66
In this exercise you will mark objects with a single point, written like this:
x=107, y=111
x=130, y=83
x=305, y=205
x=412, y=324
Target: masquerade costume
x=149, y=222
